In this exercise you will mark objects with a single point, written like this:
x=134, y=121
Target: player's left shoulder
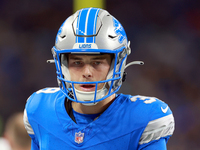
x=155, y=107
x=160, y=118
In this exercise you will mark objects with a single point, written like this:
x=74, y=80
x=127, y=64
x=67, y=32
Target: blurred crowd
x=15, y=136
x=163, y=34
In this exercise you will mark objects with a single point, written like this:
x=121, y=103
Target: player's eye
x=77, y=63
x=96, y=63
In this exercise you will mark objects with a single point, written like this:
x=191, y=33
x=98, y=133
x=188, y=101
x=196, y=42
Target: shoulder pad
x=42, y=97
x=48, y=90
x=159, y=116
x=157, y=129
x=27, y=124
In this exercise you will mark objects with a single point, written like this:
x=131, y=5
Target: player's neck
x=98, y=108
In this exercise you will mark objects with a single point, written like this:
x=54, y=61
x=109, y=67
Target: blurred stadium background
x=163, y=34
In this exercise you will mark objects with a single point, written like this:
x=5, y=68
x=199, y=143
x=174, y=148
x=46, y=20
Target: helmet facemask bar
x=67, y=86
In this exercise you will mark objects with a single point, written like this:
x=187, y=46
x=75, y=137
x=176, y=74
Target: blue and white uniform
x=129, y=123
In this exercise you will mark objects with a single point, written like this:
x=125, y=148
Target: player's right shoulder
x=39, y=106
x=42, y=96
x=45, y=92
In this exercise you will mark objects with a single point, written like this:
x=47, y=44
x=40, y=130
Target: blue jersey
x=129, y=123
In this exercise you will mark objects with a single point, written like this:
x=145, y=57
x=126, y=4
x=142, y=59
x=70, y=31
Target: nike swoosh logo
x=164, y=110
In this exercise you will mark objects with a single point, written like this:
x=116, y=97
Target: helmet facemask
x=112, y=82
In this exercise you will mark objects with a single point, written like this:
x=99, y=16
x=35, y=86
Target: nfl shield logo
x=79, y=137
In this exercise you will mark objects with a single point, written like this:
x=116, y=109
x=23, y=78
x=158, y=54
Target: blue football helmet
x=91, y=31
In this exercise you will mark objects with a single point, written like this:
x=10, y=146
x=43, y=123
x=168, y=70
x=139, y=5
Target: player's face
x=88, y=68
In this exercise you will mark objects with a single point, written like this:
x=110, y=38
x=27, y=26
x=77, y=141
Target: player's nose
x=87, y=71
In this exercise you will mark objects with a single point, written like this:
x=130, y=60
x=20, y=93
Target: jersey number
x=48, y=90
x=147, y=100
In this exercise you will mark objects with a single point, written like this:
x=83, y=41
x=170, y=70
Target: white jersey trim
x=27, y=124
x=157, y=129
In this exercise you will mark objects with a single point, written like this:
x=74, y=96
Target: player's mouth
x=87, y=87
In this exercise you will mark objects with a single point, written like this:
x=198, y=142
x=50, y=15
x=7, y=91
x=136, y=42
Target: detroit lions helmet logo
x=119, y=30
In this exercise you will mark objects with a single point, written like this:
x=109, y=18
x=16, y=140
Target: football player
x=85, y=112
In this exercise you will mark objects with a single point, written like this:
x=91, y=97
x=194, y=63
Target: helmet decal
x=119, y=30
